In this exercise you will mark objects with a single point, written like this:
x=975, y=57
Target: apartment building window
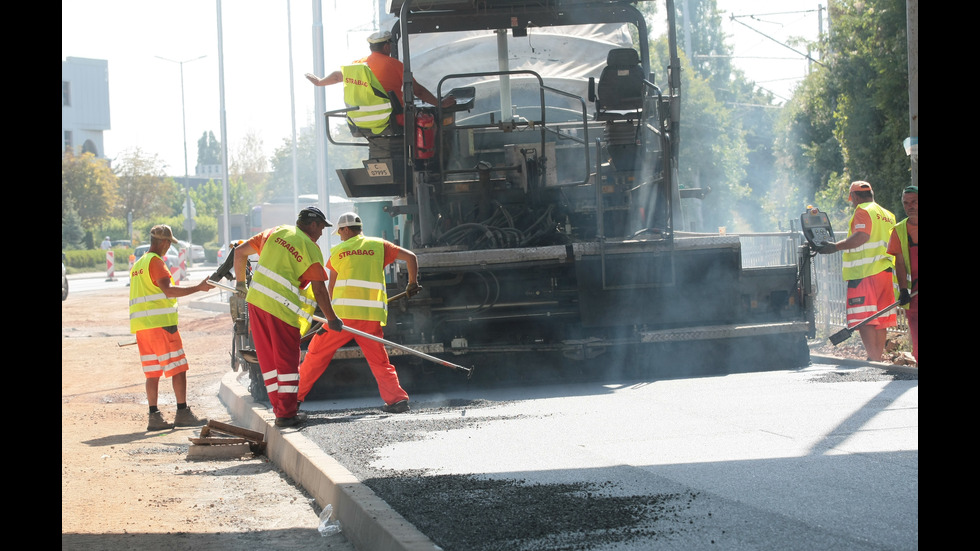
x=65, y=93
x=68, y=144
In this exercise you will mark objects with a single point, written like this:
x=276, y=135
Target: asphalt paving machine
x=543, y=204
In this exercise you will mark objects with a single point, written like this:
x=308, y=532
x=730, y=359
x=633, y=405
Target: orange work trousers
x=325, y=345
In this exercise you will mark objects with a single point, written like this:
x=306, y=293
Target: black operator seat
x=619, y=92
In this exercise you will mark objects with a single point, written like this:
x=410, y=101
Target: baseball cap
x=912, y=189
x=163, y=231
x=311, y=213
x=348, y=219
x=860, y=186
x=380, y=37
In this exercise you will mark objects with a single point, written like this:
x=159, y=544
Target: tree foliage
x=249, y=165
x=88, y=187
x=280, y=183
x=847, y=122
x=144, y=188
x=208, y=149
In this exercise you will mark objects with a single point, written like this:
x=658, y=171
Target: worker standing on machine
x=287, y=286
x=357, y=291
x=867, y=268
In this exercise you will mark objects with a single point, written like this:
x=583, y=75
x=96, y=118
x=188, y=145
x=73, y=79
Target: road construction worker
x=357, y=291
x=868, y=269
x=287, y=286
x=153, y=318
x=904, y=245
x=387, y=72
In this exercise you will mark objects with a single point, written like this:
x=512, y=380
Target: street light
x=189, y=223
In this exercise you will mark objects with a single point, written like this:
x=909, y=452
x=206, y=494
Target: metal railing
x=780, y=248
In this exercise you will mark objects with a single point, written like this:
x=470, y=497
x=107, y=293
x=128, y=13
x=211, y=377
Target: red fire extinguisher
x=425, y=136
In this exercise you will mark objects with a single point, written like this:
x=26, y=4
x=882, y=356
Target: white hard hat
x=347, y=220
x=380, y=37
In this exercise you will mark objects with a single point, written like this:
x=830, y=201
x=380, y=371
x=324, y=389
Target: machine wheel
x=256, y=384
x=239, y=342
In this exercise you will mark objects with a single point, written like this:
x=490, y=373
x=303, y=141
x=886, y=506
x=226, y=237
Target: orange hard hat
x=860, y=186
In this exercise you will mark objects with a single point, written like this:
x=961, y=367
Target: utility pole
x=189, y=207
x=225, y=231
x=912, y=30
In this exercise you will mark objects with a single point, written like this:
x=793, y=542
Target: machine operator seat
x=619, y=92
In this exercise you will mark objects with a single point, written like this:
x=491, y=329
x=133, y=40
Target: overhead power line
x=755, y=16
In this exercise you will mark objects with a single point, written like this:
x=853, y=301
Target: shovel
x=843, y=334
x=467, y=370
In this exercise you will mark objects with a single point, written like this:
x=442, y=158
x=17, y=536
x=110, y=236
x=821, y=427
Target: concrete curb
x=365, y=519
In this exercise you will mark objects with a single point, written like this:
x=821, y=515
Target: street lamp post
x=189, y=222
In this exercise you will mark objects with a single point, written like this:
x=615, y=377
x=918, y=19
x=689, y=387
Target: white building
x=84, y=105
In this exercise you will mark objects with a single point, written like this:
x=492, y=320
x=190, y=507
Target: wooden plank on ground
x=218, y=441
x=232, y=430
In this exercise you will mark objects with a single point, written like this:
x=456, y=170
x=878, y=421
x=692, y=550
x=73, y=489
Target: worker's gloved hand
x=241, y=289
x=904, y=297
x=826, y=248
x=413, y=289
x=335, y=325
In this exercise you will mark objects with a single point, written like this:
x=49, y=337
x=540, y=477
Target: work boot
x=294, y=421
x=157, y=422
x=186, y=418
x=397, y=407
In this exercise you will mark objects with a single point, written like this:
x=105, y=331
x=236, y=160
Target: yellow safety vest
x=286, y=256
x=872, y=257
x=363, y=90
x=359, y=292
x=148, y=306
x=903, y=239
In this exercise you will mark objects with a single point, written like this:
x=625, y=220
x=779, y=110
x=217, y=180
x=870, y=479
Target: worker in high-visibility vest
x=287, y=286
x=868, y=269
x=153, y=318
x=358, y=294
x=388, y=72
x=904, y=245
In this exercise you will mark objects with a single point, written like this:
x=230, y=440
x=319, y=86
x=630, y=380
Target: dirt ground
x=125, y=488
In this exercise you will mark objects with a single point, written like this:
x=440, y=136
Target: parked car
x=64, y=278
x=172, y=259
x=196, y=251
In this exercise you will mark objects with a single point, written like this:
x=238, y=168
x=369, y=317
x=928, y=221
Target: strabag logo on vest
x=355, y=82
x=292, y=250
x=345, y=254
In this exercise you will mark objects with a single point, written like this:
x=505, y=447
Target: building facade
x=84, y=105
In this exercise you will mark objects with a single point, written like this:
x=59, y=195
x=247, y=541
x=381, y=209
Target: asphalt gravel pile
x=477, y=513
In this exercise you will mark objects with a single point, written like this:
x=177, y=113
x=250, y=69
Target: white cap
x=346, y=220
x=380, y=37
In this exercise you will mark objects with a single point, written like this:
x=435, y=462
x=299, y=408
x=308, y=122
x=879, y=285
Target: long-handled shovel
x=423, y=355
x=843, y=334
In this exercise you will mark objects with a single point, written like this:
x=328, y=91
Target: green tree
x=209, y=198
x=88, y=186
x=249, y=164
x=144, y=188
x=208, y=150
x=280, y=183
x=71, y=223
x=848, y=120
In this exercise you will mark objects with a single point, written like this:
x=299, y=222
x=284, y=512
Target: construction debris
x=221, y=440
